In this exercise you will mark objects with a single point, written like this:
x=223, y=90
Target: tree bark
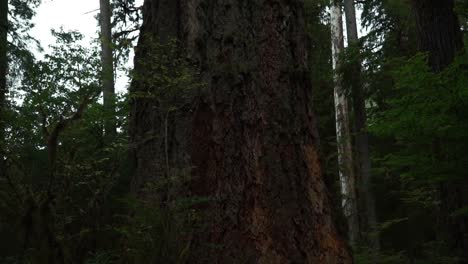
x=438, y=31
x=107, y=61
x=362, y=137
x=343, y=135
x=3, y=79
x=160, y=138
x=254, y=147
x=440, y=36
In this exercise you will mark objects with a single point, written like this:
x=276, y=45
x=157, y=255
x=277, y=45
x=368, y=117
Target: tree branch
x=52, y=139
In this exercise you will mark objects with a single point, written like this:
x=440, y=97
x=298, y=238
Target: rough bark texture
x=254, y=140
x=107, y=61
x=343, y=134
x=3, y=76
x=438, y=31
x=362, y=138
x=159, y=138
x=440, y=36
x=254, y=137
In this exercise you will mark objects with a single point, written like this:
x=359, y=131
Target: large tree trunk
x=107, y=61
x=362, y=137
x=438, y=31
x=440, y=36
x=343, y=134
x=159, y=134
x=3, y=78
x=254, y=140
x=255, y=146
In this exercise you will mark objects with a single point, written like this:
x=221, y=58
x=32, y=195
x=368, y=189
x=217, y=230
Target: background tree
x=343, y=130
x=3, y=77
x=107, y=61
x=440, y=36
x=438, y=31
x=407, y=102
x=353, y=78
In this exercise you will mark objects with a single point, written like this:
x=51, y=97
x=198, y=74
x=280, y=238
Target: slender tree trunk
x=343, y=135
x=3, y=78
x=362, y=137
x=107, y=61
x=440, y=36
x=254, y=140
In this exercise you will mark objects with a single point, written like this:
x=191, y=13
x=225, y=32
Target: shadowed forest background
x=252, y=131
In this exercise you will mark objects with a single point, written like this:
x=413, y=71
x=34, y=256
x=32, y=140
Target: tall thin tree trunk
x=107, y=61
x=3, y=78
x=440, y=36
x=343, y=135
x=362, y=137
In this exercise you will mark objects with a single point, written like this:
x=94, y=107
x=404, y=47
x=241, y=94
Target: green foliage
x=154, y=233
x=427, y=116
x=82, y=217
x=417, y=123
x=424, y=117
x=430, y=255
x=47, y=217
x=55, y=86
x=20, y=13
x=367, y=256
x=174, y=85
x=126, y=22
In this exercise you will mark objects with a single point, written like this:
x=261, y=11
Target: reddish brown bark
x=254, y=141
